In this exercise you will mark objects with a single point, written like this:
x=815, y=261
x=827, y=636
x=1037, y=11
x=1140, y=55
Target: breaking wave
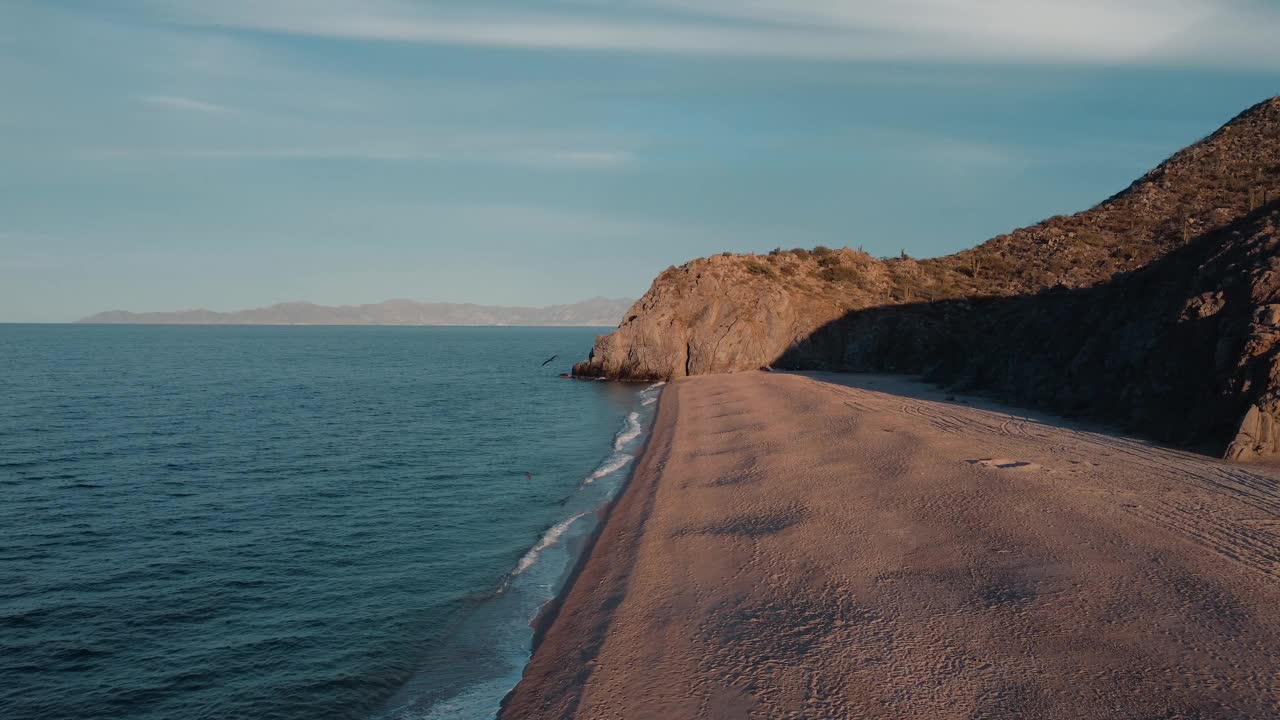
x=630, y=431
x=549, y=538
x=616, y=462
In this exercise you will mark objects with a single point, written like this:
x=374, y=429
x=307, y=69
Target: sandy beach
x=836, y=546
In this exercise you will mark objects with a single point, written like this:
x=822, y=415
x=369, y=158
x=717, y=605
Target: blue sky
x=190, y=153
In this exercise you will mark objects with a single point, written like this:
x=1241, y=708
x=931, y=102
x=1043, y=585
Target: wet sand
x=835, y=546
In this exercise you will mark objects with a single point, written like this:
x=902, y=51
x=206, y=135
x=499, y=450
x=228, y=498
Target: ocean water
x=290, y=522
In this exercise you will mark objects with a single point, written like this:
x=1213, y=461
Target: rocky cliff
x=1151, y=308
x=1185, y=349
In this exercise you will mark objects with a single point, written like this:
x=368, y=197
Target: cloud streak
x=574, y=159
x=176, y=102
x=1178, y=32
x=532, y=157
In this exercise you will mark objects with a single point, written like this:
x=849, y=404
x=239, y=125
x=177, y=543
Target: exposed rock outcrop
x=1152, y=308
x=721, y=314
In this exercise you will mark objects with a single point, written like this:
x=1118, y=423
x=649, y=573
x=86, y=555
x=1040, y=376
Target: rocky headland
x=1158, y=309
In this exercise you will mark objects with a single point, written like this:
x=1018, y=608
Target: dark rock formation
x=1151, y=308
x=1186, y=349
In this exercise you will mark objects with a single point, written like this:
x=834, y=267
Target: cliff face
x=1186, y=349
x=1143, y=306
x=723, y=314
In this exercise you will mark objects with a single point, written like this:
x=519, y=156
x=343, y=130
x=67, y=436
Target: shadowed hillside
x=1186, y=349
x=1196, y=226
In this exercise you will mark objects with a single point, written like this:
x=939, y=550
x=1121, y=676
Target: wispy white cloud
x=938, y=150
x=380, y=154
x=177, y=102
x=1203, y=32
x=556, y=226
x=537, y=157
x=585, y=159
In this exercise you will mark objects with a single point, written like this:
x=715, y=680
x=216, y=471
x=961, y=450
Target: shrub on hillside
x=839, y=273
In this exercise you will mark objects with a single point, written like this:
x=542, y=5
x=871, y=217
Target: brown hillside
x=1202, y=187
x=1186, y=349
x=740, y=312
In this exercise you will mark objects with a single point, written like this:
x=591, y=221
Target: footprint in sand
x=1004, y=464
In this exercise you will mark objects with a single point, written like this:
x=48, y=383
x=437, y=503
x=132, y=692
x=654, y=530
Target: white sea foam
x=630, y=431
x=654, y=386
x=616, y=462
x=649, y=401
x=549, y=538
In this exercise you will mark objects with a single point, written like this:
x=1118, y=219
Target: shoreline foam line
x=614, y=463
x=549, y=538
x=630, y=431
x=590, y=622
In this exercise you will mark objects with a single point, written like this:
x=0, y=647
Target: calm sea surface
x=292, y=523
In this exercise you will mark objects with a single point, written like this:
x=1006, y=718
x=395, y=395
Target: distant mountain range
x=597, y=311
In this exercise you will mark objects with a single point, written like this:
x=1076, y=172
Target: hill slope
x=594, y=312
x=1186, y=349
x=846, y=310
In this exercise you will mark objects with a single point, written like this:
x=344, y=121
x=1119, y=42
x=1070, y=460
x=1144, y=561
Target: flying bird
x=553, y=357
